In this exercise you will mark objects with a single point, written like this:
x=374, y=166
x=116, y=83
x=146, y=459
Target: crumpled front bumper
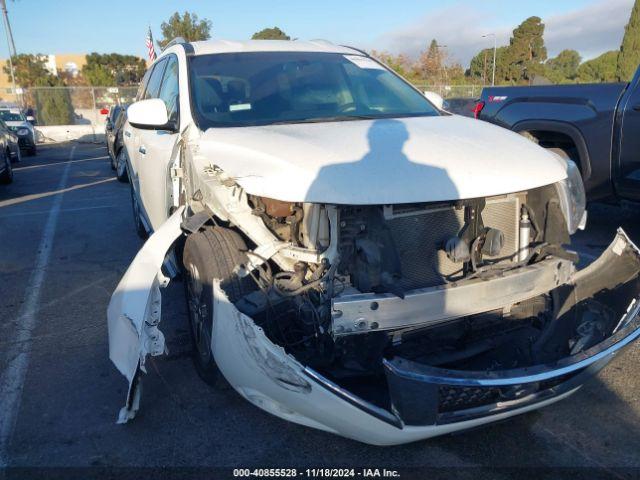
x=424, y=401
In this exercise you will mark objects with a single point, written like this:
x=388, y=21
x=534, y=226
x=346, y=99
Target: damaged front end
x=393, y=323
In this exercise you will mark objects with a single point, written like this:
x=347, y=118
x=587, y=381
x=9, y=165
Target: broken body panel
x=423, y=400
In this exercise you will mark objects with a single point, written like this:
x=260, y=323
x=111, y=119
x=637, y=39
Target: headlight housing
x=23, y=131
x=573, y=199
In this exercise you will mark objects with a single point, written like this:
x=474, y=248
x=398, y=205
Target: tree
x=564, y=67
x=187, y=26
x=111, y=69
x=401, y=64
x=29, y=69
x=270, y=34
x=430, y=64
x=481, y=66
x=600, y=69
x=629, y=56
x=526, y=52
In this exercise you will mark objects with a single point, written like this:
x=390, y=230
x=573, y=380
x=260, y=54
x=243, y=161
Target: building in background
x=68, y=63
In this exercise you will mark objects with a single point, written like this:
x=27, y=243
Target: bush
x=54, y=107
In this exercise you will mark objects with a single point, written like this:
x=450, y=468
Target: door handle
x=636, y=107
x=142, y=150
x=127, y=133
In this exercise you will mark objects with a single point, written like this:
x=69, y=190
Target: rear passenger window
x=143, y=84
x=153, y=86
x=169, y=89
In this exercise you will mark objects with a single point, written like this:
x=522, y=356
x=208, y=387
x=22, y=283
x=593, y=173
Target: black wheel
x=7, y=175
x=137, y=216
x=121, y=166
x=212, y=253
x=32, y=151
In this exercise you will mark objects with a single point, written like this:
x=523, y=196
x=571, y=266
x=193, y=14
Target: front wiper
x=338, y=118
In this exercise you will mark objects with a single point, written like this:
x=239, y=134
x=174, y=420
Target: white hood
x=420, y=159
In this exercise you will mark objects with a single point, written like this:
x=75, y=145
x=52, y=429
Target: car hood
x=419, y=159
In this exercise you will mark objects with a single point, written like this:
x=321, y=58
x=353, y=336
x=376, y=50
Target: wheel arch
x=559, y=132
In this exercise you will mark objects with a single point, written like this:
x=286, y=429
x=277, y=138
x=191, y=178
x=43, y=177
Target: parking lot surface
x=66, y=238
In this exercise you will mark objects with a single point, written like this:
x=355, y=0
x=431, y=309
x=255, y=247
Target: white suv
x=356, y=259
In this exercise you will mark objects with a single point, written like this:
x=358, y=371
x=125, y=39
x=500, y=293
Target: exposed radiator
x=420, y=234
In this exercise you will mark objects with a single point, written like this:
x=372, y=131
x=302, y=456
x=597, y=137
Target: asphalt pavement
x=66, y=238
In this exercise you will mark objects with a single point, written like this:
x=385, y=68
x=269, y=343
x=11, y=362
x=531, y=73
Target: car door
x=131, y=136
x=158, y=148
x=629, y=142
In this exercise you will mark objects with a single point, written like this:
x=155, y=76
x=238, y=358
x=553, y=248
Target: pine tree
x=526, y=52
x=629, y=55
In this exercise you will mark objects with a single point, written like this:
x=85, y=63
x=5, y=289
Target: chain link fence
x=83, y=105
x=454, y=91
x=72, y=105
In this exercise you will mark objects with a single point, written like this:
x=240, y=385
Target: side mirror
x=150, y=114
x=31, y=119
x=436, y=99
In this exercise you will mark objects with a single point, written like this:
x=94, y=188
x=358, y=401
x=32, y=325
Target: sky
x=398, y=26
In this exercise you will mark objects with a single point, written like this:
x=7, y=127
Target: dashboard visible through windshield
x=265, y=88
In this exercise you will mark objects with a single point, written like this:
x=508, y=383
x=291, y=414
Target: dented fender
x=134, y=311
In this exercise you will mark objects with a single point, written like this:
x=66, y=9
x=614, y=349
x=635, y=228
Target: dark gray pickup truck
x=597, y=126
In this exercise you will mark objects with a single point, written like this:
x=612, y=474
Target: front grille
x=451, y=399
x=419, y=236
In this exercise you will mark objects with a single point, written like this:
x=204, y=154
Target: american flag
x=151, y=51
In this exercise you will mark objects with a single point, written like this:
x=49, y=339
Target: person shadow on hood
x=385, y=175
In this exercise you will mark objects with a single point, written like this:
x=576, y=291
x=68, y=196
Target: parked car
x=597, y=126
x=357, y=260
x=9, y=153
x=15, y=119
x=113, y=135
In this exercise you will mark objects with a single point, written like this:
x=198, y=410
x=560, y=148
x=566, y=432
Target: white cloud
x=592, y=30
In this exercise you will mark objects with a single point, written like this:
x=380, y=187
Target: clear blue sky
x=78, y=26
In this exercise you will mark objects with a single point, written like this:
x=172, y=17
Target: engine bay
x=441, y=283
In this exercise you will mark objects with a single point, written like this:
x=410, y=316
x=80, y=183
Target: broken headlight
x=572, y=197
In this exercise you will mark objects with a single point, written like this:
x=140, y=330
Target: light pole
x=495, y=50
x=11, y=44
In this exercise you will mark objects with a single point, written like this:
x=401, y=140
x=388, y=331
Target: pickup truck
x=596, y=125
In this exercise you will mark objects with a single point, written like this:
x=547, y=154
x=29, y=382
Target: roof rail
x=357, y=50
x=175, y=41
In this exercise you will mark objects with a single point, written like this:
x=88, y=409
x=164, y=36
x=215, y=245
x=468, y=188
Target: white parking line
x=64, y=210
x=17, y=355
x=41, y=165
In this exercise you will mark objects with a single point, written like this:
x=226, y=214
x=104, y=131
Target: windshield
x=9, y=116
x=263, y=88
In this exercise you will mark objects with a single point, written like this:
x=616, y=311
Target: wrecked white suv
x=355, y=259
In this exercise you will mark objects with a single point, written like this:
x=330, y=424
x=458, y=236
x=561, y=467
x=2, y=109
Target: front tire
x=121, y=166
x=208, y=254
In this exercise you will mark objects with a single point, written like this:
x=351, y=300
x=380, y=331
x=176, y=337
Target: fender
x=584, y=162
